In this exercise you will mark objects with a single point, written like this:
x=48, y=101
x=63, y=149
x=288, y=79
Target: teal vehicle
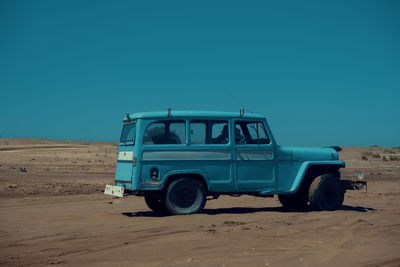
x=178, y=159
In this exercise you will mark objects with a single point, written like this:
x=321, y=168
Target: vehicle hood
x=306, y=153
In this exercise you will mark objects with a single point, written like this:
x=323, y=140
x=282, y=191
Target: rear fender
x=198, y=174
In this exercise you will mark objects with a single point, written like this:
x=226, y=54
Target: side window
x=247, y=132
x=219, y=132
x=239, y=136
x=153, y=131
x=209, y=132
x=197, y=133
x=165, y=132
x=177, y=132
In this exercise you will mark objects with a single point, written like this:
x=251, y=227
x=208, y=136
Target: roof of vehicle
x=193, y=114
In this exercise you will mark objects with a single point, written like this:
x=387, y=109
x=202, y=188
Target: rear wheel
x=326, y=193
x=154, y=202
x=185, y=196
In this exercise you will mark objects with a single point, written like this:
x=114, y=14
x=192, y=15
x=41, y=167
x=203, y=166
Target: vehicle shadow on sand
x=244, y=210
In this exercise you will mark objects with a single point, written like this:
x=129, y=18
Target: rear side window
x=128, y=133
x=165, y=132
x=198, y=133
x=250, y=132
x=209, y=132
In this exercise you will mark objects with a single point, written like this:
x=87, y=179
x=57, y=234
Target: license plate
x=114, y=190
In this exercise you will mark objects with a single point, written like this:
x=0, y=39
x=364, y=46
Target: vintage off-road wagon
x=178, y=159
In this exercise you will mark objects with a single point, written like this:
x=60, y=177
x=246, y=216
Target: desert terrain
x=53, y=212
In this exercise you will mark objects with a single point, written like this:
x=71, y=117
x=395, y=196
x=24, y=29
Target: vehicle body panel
x=224, y=168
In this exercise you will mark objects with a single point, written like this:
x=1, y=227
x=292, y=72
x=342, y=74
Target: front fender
x=304, y=167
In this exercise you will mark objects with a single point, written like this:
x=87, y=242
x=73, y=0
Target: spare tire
x=326, y=193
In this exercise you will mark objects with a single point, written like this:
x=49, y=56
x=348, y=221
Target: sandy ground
x=56, y=213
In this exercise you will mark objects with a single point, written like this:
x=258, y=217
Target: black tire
x=326, y=193
x=296, y=201
x=185, y=196
x=154, y=202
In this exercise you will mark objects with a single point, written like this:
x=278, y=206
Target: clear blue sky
x=322, y=72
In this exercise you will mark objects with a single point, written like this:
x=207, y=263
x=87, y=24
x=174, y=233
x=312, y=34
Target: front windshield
x=128, y=133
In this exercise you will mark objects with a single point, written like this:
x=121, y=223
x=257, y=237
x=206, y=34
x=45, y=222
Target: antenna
x=241, y=112
x=237, y=101
x=169, y=112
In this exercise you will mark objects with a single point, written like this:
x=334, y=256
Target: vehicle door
x=209, y=141
x=254, y=156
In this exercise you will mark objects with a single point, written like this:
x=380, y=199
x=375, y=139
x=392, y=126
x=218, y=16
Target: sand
x=56, y=213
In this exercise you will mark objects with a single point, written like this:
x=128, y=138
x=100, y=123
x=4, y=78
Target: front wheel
x=326, y=193
x=185, y=196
